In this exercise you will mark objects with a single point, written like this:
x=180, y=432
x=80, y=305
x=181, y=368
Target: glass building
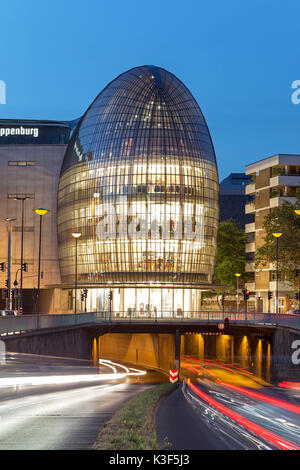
x=139, y=181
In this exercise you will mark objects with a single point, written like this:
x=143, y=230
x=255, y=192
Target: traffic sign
x=221, y=326
x=173, y=376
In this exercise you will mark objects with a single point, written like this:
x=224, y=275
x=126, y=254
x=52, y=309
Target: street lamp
x=76, y=235
x=23, y=199
x=297, y=212
x=39, y=212
x=277, y=235
x=8, y=298
x=237, y=290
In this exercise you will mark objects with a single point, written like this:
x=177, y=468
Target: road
x=61, y=404
x=51, y=403
x=221, y=406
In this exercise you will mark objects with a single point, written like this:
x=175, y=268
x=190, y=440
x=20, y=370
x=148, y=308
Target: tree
x=230, y=253
x=281, y=219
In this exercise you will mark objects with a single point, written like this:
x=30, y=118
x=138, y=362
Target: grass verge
x=133, y=426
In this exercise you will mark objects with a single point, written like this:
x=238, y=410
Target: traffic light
x=246, y=294
x=270, y=295
x=85, y=292
x=82, y=296
x=2, y=266
x=6, y=282
x=25, y=267
x=110, y=295
x=14, y=295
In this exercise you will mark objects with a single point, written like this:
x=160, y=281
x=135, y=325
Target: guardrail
x=270, y=319
x=25, y=323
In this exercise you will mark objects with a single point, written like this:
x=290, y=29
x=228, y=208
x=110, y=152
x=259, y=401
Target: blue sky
x=238, y=58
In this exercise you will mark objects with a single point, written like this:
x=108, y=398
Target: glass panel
x=139, y=181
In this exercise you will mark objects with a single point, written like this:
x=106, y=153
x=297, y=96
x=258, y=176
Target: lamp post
x=297, y=212
x=277, y=235
x=39, y=212
x=76, y=235
x=23, y=199
x=8, y=298
x=237, y=290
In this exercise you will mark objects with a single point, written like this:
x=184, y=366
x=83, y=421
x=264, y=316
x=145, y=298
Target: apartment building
x=273, y=181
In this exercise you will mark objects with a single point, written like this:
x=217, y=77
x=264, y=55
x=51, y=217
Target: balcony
x=277, y=201
x=249, y=267
x=250, y=188
x=285, y=180
x=249, y=228
x=250, y=208
x=250, y=247
x=282, y=286
x=250, y=286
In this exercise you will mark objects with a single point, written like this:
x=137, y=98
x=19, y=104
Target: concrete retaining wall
x=70, y=343
x=286, y=355
x=150, y=350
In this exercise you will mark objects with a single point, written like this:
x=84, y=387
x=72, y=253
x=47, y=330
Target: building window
x=25, y=229
x=21, y=163
x=18, y=196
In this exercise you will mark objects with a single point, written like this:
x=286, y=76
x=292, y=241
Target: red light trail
x=261, y=397
x=258, y=430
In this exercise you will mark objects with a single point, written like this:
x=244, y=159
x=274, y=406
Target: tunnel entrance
x=155, y=351
x=245, y=352
x=250, y=353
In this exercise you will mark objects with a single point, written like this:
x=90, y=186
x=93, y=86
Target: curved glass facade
x=139, y=181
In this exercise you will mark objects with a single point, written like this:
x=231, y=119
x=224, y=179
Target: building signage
x=9, y=131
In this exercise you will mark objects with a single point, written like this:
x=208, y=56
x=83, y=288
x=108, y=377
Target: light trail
x=194, y=368
x=291, y=385
x=220, y=364
x=58, y=379
x=262, y=397
x=68, y=379
x=109, y=363
x=256, y=429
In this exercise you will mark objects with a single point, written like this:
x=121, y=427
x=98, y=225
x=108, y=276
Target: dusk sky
x=238, y=58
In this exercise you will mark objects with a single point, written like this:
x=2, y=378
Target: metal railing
x=24, y=323
x=202, y=316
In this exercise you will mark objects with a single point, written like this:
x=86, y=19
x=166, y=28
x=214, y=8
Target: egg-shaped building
x=139, y=182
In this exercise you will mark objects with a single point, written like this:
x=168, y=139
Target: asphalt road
x=222, y=407
x=59, y=416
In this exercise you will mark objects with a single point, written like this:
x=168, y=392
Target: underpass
x=261, y=342
x=213, y=354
